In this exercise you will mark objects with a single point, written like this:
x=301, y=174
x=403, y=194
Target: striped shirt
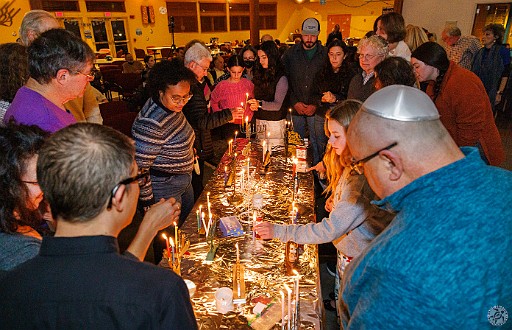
x=163, y=142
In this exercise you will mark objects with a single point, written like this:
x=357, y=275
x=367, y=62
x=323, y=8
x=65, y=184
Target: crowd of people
x=403, y=142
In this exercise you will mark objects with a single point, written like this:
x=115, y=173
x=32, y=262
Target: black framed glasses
x=356, y=167
x=142, y=177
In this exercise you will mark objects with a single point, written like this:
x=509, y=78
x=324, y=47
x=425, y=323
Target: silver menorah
x=249, y=129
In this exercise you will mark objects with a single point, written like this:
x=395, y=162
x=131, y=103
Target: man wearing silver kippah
x=444, y=261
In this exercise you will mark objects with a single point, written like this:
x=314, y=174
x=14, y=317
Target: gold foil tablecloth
x=263, y=260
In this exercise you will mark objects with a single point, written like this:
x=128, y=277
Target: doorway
x=110, y=34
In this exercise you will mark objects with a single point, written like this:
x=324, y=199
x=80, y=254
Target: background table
x=263, y=260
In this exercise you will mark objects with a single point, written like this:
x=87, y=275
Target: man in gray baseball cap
x=445, y=259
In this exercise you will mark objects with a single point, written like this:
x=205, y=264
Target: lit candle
x=172, y=245
x=246, y=97
x=296, y=286
x=209, y=223
x=236, y=134
x=209, y=205
x=282, y=309
x=167, y=246
x=237, y=253
x=289, y=304
x=204, y=224
x=263, y=149
x=198, y=217
x=175, y=233
x=230, y=145
x=246, y=122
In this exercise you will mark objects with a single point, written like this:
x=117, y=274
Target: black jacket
x=202, y=121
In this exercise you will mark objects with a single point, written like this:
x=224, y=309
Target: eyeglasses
x=89, y=75
x=367, y=57
x=31, y=182
x=142, y=177
x=181, y=100
x=356, y=167
x=199, y=65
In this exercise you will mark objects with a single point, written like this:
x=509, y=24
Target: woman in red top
x=461, y=100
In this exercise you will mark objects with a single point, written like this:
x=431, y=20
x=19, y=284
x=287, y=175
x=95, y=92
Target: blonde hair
x=342, y=113
x=415, y=37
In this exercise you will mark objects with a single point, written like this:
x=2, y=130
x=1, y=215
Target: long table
x=263, y=259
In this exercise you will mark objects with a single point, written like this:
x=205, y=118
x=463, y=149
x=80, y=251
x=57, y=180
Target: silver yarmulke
x=402, y=103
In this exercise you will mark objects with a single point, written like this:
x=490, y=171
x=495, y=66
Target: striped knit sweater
x=163, y=143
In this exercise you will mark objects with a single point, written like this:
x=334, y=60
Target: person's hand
x=310, y=110
x=329, y=203
x=253, y=104
x=328, y=97
x=300, y=107
x=162, y=214
x=318, y=167
x=264, y=229
x=237, y=113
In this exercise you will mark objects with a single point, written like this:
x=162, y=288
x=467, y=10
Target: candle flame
x=287, y=288
x=174, y=223
x=171, y=241
x=236, y=133
x=164, y=236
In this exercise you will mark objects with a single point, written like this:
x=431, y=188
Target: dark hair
x=344, y=65
x=433, y=54
x=250, y=48
x=18, y=144
x=147, y=58
x=167, y=73
x=264, y=78
x=235, y=60
x=13, y=69
x=394, y=25
x=78, y=167
x=395, y=71
x=497, y=30
x=54, y=50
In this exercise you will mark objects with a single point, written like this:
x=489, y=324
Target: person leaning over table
x=445, y=260
x=84, y=108
x=82, y=280
x=461, y=100
x=197, y=59
x=164, y=140
x=353, y=221
x=60, y=67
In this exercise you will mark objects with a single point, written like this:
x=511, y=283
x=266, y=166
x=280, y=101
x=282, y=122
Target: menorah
x=250, y=129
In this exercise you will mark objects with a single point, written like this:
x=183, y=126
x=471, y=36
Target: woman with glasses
x=60, y=67
x=371, y=51
x=461, y=100
x=20, y=218
x=164, y=139
x=353, y=221
x=233, y=93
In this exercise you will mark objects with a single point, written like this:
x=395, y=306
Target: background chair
x=140, y=54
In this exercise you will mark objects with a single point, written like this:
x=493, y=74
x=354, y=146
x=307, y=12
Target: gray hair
x=196, y=53
x=376, y=42
x=32, y=22
x=79, y=166
x=452, y=31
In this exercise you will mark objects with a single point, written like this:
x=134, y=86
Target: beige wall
x=290, y=17
x=434, y=14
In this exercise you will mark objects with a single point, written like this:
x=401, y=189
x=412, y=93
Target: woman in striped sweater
x=164, y=139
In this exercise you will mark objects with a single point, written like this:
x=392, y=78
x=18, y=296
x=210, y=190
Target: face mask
x=249, y=64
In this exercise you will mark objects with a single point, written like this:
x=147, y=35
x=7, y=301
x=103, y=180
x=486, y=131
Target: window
x=268, y=16
x=239, y=18
x=60, y=5
x=185, y=16
x=106, y=5
x=213, y=17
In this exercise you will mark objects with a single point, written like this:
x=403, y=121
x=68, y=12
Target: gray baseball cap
x=401, y=103
x=310, y=26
